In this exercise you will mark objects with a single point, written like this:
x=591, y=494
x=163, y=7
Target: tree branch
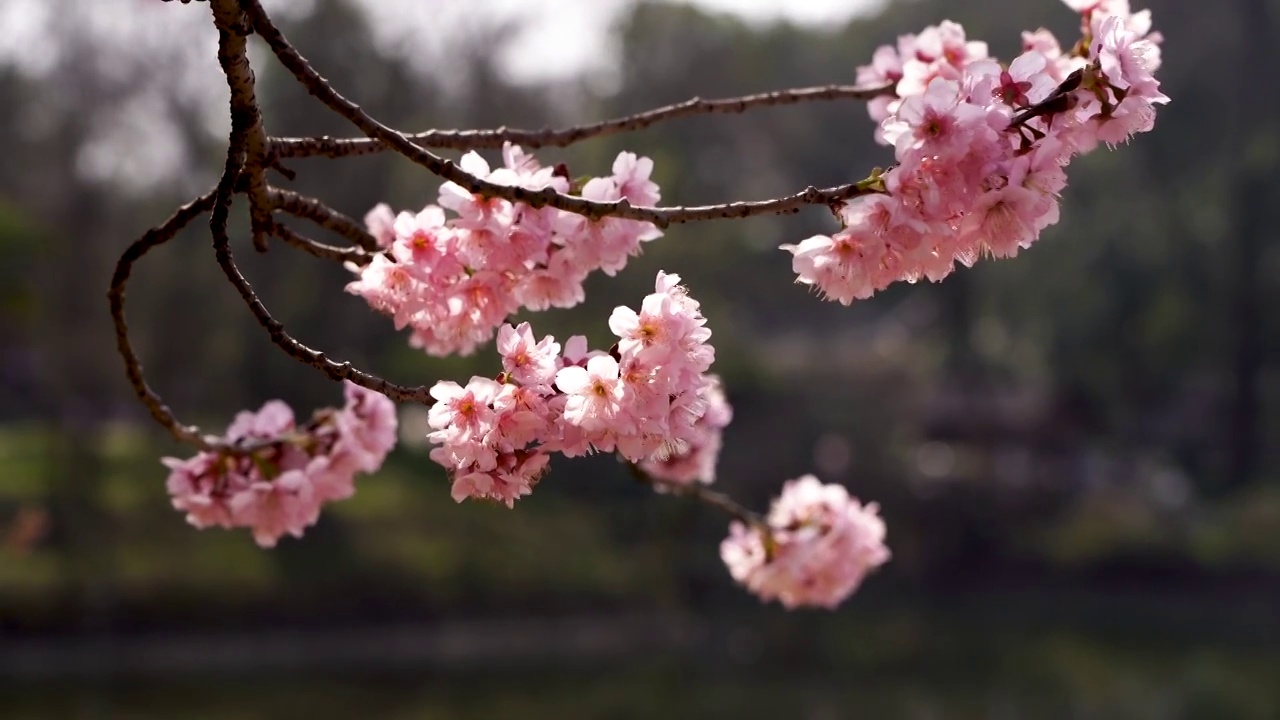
x=318, y=249
x=563, y=137
x=546, y=197
x=233, y=34
x=231, y=49
x=116, y=296
x=1056, y=102
x=701, y=493
x=326, y=217
x=275, y=329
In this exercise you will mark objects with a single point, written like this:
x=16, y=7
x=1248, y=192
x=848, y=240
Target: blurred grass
x=401, y=543
x=401, y=530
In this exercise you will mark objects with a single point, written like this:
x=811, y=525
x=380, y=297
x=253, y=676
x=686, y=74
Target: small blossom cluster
x=981, y=147
x=814, y=549
x=693, y=458
x=649, y=398
x=453, y=279
x=279, y=474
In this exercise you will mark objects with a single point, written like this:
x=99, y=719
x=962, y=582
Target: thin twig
x=318, y=249
x=701, y=493
x=116, y=296
x=1056, y=102
x=546, y=197
x=321, y=214
x=563, y=137
x=275, y=329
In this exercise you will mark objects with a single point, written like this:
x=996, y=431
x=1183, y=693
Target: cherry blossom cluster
x=649, y=398
x=275, y=475
x=814, y=548
x=453, y=279
x=981, y=147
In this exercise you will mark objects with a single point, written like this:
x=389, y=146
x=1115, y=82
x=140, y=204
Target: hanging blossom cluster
x=649, y=399
x=276, y=475
x=981, y=147
x=816, y=546
x=453, y=279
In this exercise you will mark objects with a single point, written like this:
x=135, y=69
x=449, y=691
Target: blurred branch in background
x=548, y=137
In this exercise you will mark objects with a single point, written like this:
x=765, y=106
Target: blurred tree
x=1254, y=193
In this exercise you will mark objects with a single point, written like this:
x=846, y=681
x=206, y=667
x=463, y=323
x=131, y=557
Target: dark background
x=1075, y=450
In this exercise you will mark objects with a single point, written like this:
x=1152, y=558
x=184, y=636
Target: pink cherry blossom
x=939, y=122
x=631, y=176
x=594, y=402
x=381, y=223
x=576, y=352
x=529, y=362
x=692, y=456
x=1117, y=125
x=1001, y=221
x=1127, y=60
x=815, y=548
x=466, y=408
x=1026, y=82
x=274, y=418
x=272, y=476
x=981, y=154
x=283, y=505
x=885, y=68
x=652, y=330
x=521, y=417
x=201, y=488
x=557, y=284
x=471, y=485
x=454, y=272
x=366, y=426
x=649, y=399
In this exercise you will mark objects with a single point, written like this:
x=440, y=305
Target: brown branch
x=563, y=137
x=1056, y=102
x=116, y=296
x=701, y=493
x=322, y=215
x=546, y=197
x=320, y=250
x=233, y=34
x=223, y=197
x=275, y=329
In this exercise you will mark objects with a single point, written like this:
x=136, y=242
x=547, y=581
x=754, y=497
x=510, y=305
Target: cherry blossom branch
x=562, y=137
x=275, y=329
x=321, y=214
x=231, y=49
x=700, y=493
x=546, y=197
x=318, y=249
x=1054, y=103
x=961, y=190
x=153, y=238
x=233, y=35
